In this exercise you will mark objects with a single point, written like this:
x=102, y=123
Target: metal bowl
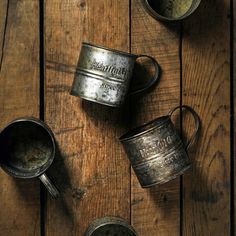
x=110, y=226
x=161, y=9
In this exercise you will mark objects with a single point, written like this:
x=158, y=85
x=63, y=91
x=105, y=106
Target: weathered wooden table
x=39, y=48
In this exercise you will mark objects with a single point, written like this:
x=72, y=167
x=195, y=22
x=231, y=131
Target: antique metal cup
x=156, y=151
x=170, y=10
x=110, y=226
x=103, y=75
x=28, y=149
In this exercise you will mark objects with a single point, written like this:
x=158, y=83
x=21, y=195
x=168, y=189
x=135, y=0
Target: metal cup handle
x=196, y=119
x=152, y=81
x=49, y=185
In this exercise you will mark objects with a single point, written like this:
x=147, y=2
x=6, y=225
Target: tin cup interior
x=28, y=149
x=110, y=226
x=171, y=10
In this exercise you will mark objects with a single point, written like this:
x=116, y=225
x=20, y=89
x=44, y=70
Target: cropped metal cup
x=156, y=151
x=170, y=10
x=103, y=75
x=28, y=149
x=110, y=226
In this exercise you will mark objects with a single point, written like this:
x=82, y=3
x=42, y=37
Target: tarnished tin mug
x=27, y=150
x=170, y=10
x=103, y=75
x=156, y=151
x=110, y=226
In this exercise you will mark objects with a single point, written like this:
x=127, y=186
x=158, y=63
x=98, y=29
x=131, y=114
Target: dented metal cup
x=103, y=75
x=156, y=151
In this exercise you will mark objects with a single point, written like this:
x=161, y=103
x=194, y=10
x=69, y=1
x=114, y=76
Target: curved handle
x=49, y=185
x=152, y=81
x=196, y=119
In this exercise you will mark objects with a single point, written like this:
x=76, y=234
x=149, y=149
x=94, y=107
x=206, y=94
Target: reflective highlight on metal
x=103, y=75
x=156, y=151
x=28, y=147
x=110, y=226
x=154, y=12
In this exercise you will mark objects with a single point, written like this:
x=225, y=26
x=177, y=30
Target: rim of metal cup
x=108, y=220
x=109, y=49
x=44, y=167
x=157, y=16
x=145, y=128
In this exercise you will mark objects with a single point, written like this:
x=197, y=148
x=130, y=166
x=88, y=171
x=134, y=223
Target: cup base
x=174, y=176
x=93, y=100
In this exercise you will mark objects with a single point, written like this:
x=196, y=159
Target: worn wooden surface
x=19, y=96
x=92, y=161
x=206, y=86
x=156, y=210
x=91, y=169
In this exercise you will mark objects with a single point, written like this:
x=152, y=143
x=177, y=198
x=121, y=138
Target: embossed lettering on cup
x=28, y=149
x=156, y=151
x=103, y=75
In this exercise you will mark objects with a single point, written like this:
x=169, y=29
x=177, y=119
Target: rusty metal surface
x=103, y=75
x=112, y=226
x=156, y=151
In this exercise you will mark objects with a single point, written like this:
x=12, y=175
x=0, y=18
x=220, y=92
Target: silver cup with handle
x=104, y=75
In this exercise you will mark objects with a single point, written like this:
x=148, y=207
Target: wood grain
x=91, y=170
x=19, y=96
x=156, y=211
x=206, y=87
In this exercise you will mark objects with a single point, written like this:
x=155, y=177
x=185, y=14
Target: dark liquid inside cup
x=113, y=230
x=171, y=8
x=26, y=146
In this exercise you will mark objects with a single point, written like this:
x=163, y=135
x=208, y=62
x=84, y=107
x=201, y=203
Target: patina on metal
x=103, y=75
x=110, y=226
x=28, y=149
x=170, y=10
x=156, y=151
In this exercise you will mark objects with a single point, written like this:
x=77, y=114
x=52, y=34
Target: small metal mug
x=170, y=10
x=156, y=151
x=103, y=75
x=28, y=149
x=110, y=226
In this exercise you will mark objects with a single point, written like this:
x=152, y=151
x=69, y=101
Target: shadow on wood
x=68, y=193
x=104, y=116
x=214, y=20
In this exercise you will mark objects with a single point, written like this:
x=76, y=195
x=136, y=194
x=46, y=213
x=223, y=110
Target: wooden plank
x=91, y=172
x=206, y=87
x=156, y=211
x=19, y=96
